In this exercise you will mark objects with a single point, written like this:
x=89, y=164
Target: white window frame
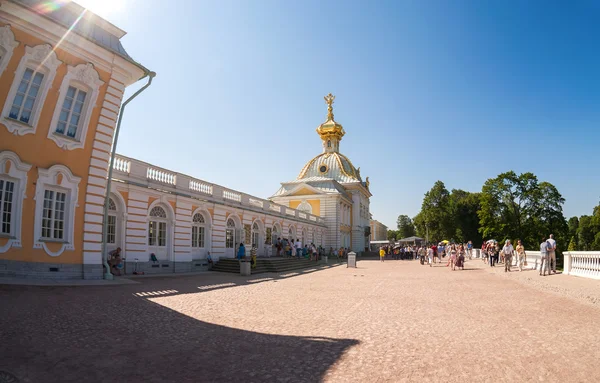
x=158, y=220
x=40, y=58
x=54, y=201
x=17, y=173
x=8, y=44
x=230, y=230
x=58, y=178
x=198, y=226
x=84, y=78
x=112, y=215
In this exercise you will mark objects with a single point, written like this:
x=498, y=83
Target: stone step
x=276, y=265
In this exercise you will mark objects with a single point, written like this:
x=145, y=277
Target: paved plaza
x=382, y=322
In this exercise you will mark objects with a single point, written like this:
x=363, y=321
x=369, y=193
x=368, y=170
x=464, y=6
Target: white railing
x=130, y=169
x=201, y=187
x=161, y=176
x=582, y=263
x=232, y=196
x=122, y=165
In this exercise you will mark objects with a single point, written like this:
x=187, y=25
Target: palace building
x=331, y=187
x=63, y=72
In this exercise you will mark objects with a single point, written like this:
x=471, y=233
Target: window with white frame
x=33, y=79
x=77, y=96
x=7, y=45
x=157, y=227
x=198, y=231
x=7, y=189
x=56, y=195
x=111, y=228
x=255, y=234
x=13, y=181
x=53, y=215
x=229, y=234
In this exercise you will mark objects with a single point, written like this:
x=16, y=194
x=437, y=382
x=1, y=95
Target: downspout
x=107, y=273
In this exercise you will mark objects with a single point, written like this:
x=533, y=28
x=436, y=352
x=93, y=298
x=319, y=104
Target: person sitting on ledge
x=114, y=261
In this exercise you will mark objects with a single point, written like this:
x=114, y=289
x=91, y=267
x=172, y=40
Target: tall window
x=229, y=234
x=157, y=227
x=275, y=235
x=112, y=222
x=6, y=205
x=255, y=235
x=53, y=215
x=198, y=230
x=70, y=114
x=27, y=92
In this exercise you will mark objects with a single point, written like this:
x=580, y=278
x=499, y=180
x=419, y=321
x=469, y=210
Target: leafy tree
x=573, y=225
x=517, y=206
x=436, y=213
x=405, y=227
x=586, y=233
x=572, y=244
x=465, y=221
x=392, y=234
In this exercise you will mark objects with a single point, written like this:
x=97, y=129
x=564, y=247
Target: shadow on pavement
x=112, y=334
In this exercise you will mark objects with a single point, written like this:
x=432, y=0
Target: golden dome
x=330, y=128
x=334, y=166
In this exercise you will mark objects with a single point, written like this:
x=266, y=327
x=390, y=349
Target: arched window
x=255, y=235
x=329, y=143
x=198, y=230
x=157, y=227
x=111, y=229
x=291, y=234
x=229, y=234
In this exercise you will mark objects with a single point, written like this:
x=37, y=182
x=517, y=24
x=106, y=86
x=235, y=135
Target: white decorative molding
x=7, y=44
x=305, y=206
x=40, y=58
x=86, y=78
x=49, y=179
x=17, y=173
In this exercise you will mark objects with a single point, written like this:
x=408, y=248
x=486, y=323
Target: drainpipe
x=107, y=273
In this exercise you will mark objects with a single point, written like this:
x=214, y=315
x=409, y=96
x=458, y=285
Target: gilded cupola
x=330, y=131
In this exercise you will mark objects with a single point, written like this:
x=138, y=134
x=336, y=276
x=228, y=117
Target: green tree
x=436, y=213
x=517, y=206
x=392, y=235
x=573, y=225
x=405, y=227
x=465, y=221
x=586, y=233
x=572, y=244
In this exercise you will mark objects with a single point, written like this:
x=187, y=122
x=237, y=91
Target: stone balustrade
x=582, y=263
x=139, y=172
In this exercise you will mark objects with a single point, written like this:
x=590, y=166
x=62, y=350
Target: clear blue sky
x=421, y=87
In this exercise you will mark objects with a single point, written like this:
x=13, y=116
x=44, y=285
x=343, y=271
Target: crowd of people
x=455, y=254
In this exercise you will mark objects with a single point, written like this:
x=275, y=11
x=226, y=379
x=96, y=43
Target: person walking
x=551, y=254
x=430, y=256
x=241, y=255
x=470, y=249
x=381, y=254
x=545, y=260
x=492, y=254
x=520, y=251
x=507, y=251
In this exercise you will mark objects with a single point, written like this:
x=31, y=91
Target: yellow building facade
x=62, y=78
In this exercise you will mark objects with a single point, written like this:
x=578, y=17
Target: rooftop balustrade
x=139, y=172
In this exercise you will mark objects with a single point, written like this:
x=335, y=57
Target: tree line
x=509, y=206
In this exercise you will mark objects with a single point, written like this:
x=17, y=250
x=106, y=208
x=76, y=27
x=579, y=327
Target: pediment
x=303, y=189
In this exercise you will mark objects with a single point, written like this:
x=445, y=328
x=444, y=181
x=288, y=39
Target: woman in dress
x=460, y=261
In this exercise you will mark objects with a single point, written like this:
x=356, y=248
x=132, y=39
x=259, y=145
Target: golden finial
x=367, y=183
x=329, y=100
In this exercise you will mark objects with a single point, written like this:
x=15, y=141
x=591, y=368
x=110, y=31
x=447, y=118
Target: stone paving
x=382, y=322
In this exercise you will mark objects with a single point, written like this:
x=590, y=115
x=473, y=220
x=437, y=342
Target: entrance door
x=230, y=239
x=158, y=233
x=114, y=239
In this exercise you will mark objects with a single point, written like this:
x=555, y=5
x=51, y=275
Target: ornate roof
x=332, y=165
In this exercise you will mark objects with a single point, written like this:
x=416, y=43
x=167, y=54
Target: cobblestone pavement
x=382, y=322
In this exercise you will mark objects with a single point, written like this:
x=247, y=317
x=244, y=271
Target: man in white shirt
x=507, y=250
x=298, y=248
x=551, y=254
